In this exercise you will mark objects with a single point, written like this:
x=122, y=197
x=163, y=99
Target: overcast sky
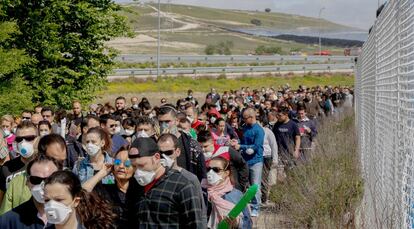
x=357, y=13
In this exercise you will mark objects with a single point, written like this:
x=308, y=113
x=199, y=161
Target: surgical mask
x=129, y=132
x=167, y=162
x=117, y=130
x=25, y=149
x=14, y=130
x=56, y=212
x=92, y=149
x=144, y=177
x=190, y=119
x=213, y=120
x=208, y=155
x=135, y=106
x=165, y=128
x=213, y=178
x=43, y=133
x=142, y=134
x=6, y=132
x=38, y=192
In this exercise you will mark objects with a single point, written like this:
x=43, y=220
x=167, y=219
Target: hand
x=106, y=170
x=308, y=130
x=296, y=154
x=234, y=142
x=237, y=146
x=231, y=222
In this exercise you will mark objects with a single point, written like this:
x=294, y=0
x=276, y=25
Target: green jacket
x=16, y=194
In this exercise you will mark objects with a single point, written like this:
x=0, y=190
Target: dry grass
x=325, y=192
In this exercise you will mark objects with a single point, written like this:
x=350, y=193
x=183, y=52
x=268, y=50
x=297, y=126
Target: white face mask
x=117, y=130
x=213, y=120
x=129, y=132
x=92, y=149
x=167, y=162
x=44, y=133
x=142, y=134
x=25, y=149
x=190, y=119
x=38, y=192
x=6, y=132
x=56, y=212
x=144, y=177
x=213, y=178
x=135, y=106
x=208, y=155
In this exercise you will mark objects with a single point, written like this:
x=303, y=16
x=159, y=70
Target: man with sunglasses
x=26, y=135
x=109, y=123
x=26, y=115
x=159, y=196
x=31, y=214
x=191, y=157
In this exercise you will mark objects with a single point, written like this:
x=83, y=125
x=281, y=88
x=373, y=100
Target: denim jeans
x=255, y=177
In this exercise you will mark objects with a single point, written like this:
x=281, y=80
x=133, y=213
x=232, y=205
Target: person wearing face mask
x=7, y=123
x=134, y=103
x=191, y=157
x=222, y=195
x=68, y=205
x=26, y=136
x=110, y=124
x=30, y=213
x=114, y=193
x=159, y=196
x=97, y=144
x=53, y=146
x=145, y=128
x=238, y=166
x=129, y=129
x=44, y=128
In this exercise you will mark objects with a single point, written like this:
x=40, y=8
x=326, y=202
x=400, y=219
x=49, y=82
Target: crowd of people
x=174, y=165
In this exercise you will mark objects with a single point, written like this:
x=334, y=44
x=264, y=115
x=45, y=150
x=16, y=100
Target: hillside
x=189, y=29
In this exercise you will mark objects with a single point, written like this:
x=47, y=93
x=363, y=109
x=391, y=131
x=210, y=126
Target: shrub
x=262, y=50
x=256, y=22
x=321, y=193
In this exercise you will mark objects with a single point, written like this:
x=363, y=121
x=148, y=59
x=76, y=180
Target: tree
x=268, y=50
x=210, y=49
x=66, y=39
x=222, y=48
x=15, y=94
x=267, y=10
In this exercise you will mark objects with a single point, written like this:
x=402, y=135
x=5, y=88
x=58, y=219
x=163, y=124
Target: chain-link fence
x=385, y=118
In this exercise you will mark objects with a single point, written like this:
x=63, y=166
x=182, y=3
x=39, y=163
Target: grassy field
x=182, y=84
x=208, y=26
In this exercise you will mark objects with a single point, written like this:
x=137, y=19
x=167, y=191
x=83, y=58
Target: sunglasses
x=167, y=152
x=113, y=125
x=28, y=138
x=25, y=118
x=215, y=169
x=34, y=180
x=118, y=162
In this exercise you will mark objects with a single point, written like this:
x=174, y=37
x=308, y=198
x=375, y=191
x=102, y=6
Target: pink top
x=10, y=140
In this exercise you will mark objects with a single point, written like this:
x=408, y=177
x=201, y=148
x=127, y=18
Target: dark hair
x=44, y=109
x=103, y=135
x=93, y=211
x=85, y=121
x=225, y=162
x=103, y=119
x=50, y=139
x=27, y=111
x=128, y=122
x=41, y=158
x=143, y=119
x=204, y=136
x=123, y=148
x=146, y=106
x=120, y=98
x=167, y=109
x=45, y=122
x=168, y=136
x=217, y=122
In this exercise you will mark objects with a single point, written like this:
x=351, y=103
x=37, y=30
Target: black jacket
x=239, y=169
x=23, y=216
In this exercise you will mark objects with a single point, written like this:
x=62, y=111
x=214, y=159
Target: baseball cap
x=143, y=147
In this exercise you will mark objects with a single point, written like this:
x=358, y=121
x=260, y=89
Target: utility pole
x=320, y=31
x=158, y=40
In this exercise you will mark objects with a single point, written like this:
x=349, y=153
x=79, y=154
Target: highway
x=137, y=58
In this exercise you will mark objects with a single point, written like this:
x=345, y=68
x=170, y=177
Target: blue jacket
x=253, y=139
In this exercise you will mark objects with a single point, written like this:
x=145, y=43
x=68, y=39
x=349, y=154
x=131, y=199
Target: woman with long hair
x=69, y=206
x=221, y=193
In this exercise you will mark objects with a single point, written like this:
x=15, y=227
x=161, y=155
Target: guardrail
x=239, y=69
x=136, y=58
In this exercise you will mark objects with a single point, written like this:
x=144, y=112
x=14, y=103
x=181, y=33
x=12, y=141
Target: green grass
x=203, y=84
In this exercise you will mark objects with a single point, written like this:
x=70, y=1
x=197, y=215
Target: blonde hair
x=8, y=118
